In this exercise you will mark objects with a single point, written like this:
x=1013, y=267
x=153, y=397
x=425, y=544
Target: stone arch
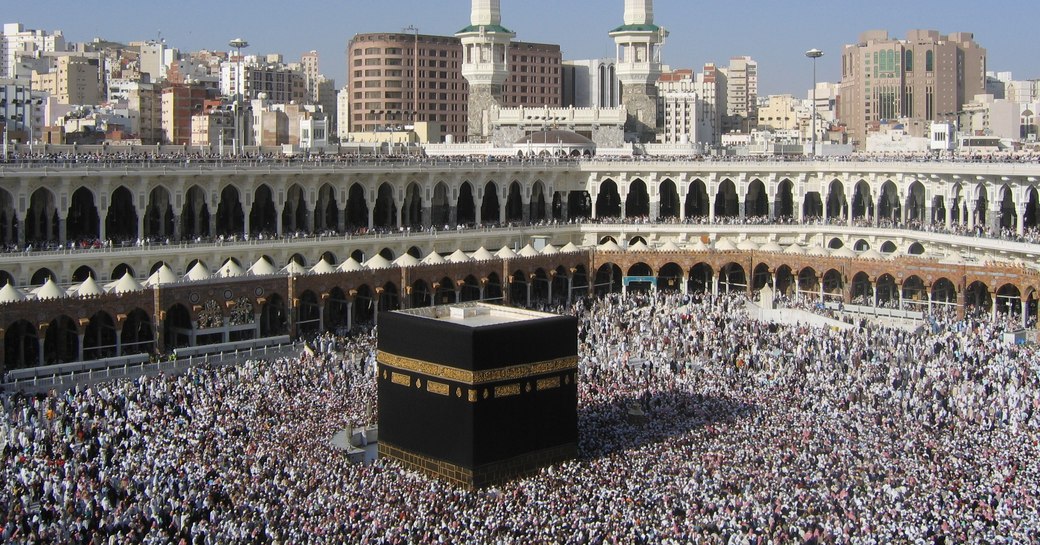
x=466, y=208
x=138, y=334
x=42, y=275
x=915, y=249
x=178, y=327
x=121, y=270
x=357, y=208
x=1009, y=300
x=470, y=289
x=308, y=313
x=420, y=294
x=888, y=247
x=608, y=279
x=836, y=244
x=837, y=202
x=490, y=207
x=326, y=210
x=1008, y=210
x=756, y=200
x=537, y=210
x=388, y=254
x=121, y=220
x=833, y=284
x=887, y=290
x=61, y=341
x=608, y=201
x=21, y=346
x=862, y=201
x=939, y=210
x=493, y=290
x=812, y=206
x=701, y=278
x=365, y=303
x=415, y=252
x=80, y=274
x=263, y=219
x=444, y=291
x=337, y=311
x=889, y=207
x=915, y=292
x=99, y=337
x=1031, y=218
x=385, y=208
x=981, y=205
x=195, y=214
x=637, y=202
x=440, y=206
x=389, y=298
x=784, y=207
x=977, y=297
x=732, y=277
x=727, y=204
x=515, y=203
x=697, y=202
x=274, y=317
x=760, y=277
x=83, y=221
x=230, y=214
x=916, y=200
x=862, y=289
x=668, y=195
x=944, y=292
x=785, y=280
x=8, y=219
x=861, y=245
x=639, y=269
x=579, y=205
x=808, y=280
x=411, y=212
x=295, y=212
x=159, y=218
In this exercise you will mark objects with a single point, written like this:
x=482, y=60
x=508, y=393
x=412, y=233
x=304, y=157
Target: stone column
x=119, y=342
x=62, y=229
x=341, y=222
x=1021, y=227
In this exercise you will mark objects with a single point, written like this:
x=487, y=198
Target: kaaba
x=477, y=394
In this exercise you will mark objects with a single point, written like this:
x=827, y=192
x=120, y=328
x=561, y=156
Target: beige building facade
x=72, y=80
x=926, y=77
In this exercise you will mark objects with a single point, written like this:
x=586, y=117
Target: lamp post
x=814, y=54
x=238, y=44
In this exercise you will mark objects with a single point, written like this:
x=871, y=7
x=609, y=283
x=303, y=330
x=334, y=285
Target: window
x=929, y=61
x=908, y=61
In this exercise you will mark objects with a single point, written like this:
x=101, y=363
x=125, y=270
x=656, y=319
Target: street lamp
x=238, y=44
x=814, y=54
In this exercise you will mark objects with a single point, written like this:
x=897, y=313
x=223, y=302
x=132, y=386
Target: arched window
x=929, y=61
x=908, y=61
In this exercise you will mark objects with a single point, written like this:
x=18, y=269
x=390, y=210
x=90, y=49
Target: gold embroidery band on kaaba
x=517, y=372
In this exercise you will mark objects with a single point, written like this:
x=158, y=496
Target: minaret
x=485, y=63
x=639, y=43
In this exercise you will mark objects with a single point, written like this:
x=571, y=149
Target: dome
x=378, y=262
x=262, y=267
x=458, y=256
x=197, y=273
x=88, y=288
x=528, y=251
x=230, y=270
x=482, y=255
x=294, y=268
x=11, y=294
x=771, y=246
x=872, y=254
x=407, y=260
x=794, y=249
x=506, y=253
x=700, y=246
x=550, y=250
x=49, y=290
x=747, y=245
x=126, y=284
x=723, y=245
x=323, y=267
x=351, y=265
x=639, y=246
x=609, y=246
x=433, y=259
x=162, y=275
x=570, y=248
x=669, y=247
x=818, y=251
x=843, y=252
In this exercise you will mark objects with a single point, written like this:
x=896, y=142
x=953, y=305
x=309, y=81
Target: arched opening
x=1031, y=218
x=1008, y=211
x=915, y=203
x=364, y=306
x=785, y=200
x=862, y=245
x=540, y=287
x=785, y=281
x=888, y=247
x=862, y=202
x=833, y=284
x=944, y=293
x=637, y=202
x=80, y=275
x=494, y=291
x=61, y=341
x=887, y=291
x=977, y=298
x=357, y=208
x=760, y=277
x=608, y=200
x=607, y=239
x=538, y=211
x=837, y=203
x=939, y=210
x=836, y=244
x=727, y=205
x=981, y=207
x=42, y=275
x=490, y=208
x=915, y=249
x=440, y=206
x=809, y=282
x=326, y=211
x=812, y=207
x=466, y=211
x=862, y=289
x=889, y=208
x=274, y=317
x=121, y=220
x=470, y=289
x=1009, y=300
x=99, y=338
x=697, y=201
x=638, y=277
x=121, y=270
x=732, y=277
x=82, y=224
x=337, y=312
x=701, y=279
x=230, y=214
x=389, y=298
x=138, y=334
x=608, y=279
x=579, y=205
x=915, y=293
x=195, y=214
x=445, y=294
x=309, y=313
x=21, y=346
x=670, y=277
x=262, y=219
x=158, y=216
x=411, y=212
x=420, y=295
x=294, y=212
x=515, y=203
x=669, y=197
x=386, y=208
x=756, y=201
x=8, y=219
x=178, y=327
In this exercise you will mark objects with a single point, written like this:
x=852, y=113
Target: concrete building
x=689, y=103
x=989, y=116
x=923, y=78
x=780, y=113
x=17, y=41
x=591, y=84
x=155, y=59
x=72, y=79
x=179, y=104
x=343, y=113
x=639, y=42
x=280, y=82
x=20, y=111
x=741, y=95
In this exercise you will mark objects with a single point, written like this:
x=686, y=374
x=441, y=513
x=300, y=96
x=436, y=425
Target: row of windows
x=442, y=53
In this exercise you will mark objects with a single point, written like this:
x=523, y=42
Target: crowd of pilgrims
x=754, y=434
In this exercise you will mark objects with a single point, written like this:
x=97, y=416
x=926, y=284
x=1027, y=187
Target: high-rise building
x=924, y=78
x=639, y=43
x=72, y=79
x=741, y=95
x=279, y=82
x=17, y=41
x=179, y=104
x=591, y=84
x=690, y=106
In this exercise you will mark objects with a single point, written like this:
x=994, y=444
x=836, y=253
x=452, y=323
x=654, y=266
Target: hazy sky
x=774, y=32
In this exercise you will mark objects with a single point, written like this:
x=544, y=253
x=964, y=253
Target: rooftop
x=477, y=314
